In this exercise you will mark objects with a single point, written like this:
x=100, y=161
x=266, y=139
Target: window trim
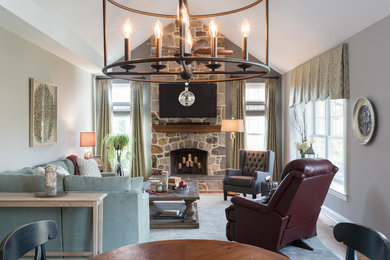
x=254, y=113
x=339, y=193
x=121, y=113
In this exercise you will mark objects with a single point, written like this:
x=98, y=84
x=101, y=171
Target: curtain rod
x=274, y=77
x=105, y=77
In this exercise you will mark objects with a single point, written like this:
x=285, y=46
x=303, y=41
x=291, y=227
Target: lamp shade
x=87, y=139
x=232, y=125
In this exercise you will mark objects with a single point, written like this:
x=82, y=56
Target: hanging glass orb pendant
x=186, y=98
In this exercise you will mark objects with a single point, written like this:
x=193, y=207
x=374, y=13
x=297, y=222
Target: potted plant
x=118, y=151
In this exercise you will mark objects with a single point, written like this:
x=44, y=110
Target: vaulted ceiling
x=299, y=29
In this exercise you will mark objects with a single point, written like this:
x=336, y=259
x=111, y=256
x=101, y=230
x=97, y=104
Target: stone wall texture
x=163, y=143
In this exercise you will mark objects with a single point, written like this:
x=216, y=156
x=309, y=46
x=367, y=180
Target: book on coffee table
x=170, y=212
x=159, y=215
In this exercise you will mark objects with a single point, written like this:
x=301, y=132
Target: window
x=329, y=136
x=254, y=123
x=121, y=108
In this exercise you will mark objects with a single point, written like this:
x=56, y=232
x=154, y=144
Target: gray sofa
x=125, y=214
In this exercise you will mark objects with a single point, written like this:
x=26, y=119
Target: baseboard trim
x=333, y=215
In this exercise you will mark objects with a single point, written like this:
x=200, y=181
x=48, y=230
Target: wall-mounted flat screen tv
x=205, y=104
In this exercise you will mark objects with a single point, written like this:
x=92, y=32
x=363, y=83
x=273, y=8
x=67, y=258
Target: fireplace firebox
x=188, y=161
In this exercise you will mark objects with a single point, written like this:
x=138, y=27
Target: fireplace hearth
x=188, y=161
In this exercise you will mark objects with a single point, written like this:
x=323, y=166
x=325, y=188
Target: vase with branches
x=300, y=126
x=118, y=152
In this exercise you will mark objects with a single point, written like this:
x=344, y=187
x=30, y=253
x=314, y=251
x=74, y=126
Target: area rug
x=211, y=208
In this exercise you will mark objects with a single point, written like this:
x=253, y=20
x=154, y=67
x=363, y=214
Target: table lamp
x=232, y=126
x=87, y=139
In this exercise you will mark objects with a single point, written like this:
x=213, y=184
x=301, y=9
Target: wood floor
x=325, y=227
x=325, y=234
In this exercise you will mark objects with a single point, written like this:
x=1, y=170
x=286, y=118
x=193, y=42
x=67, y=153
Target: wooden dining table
x=190, y=249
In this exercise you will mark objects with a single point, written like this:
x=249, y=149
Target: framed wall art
x=363, y=121
x=43, y=113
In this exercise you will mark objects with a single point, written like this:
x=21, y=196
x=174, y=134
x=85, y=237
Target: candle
x=196, y=159
x=199, y=165
x=245, y=34
x=127, y=31
x=189, y=157
x=158, y=31
x=184, y=21
x=213, y=30
x=51, y=180
x=183, y=160
x=180, y=166
x=191, y=164
x=187, y=163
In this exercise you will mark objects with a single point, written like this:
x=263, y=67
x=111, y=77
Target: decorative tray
x=181, y=190
x=158, y=193
x=44, y=195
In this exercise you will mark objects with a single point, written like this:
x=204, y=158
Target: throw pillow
x=60, y=170
x=88, y=167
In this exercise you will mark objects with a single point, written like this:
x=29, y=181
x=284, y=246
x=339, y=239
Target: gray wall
x=367, y=172
x=229, y=86
x=20, y=60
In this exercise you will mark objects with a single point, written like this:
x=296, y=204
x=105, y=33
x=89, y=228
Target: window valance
x=322, y=77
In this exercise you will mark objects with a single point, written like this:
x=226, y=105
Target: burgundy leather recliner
x=289, y=214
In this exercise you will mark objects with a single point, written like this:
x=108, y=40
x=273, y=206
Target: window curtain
x=326, y=76
x=104, y=127
x=238, y=112
x=138, y=165
x=271, y=136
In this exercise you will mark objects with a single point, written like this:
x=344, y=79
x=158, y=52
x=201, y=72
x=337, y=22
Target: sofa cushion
x=26, y=170
x=69, y=166
x=58, y=163
x=88, y=167
x=26, y=183
x=86, y=183
x=244, y=181
x=60, y=170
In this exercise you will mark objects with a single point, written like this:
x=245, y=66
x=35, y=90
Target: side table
x=267, y=186
x=92, y=200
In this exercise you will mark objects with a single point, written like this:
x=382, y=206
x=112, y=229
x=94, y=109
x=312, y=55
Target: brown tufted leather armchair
x=289, y=214
x=254, y=167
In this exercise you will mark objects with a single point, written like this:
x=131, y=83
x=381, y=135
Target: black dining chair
x=27, y=237
x=367, y=241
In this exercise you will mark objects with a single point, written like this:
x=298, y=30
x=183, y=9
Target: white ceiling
x=299, y=29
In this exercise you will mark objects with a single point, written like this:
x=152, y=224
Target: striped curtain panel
x=271, y=137
x=138, y=163
x=238, y=112
x=104, y=123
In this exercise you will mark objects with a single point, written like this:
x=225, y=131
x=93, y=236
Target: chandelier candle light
x=213, y=30
x=127, y=32
x=187, y=51
x=158, y=31
x=245, y=34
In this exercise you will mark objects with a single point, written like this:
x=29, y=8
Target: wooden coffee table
x=190, y=249
x=171, y=201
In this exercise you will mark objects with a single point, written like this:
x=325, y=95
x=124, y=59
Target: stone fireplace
x=212, y=146
x=166, y=144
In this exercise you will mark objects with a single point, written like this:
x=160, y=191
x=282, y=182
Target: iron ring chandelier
x=115, y=2
x=187, y=52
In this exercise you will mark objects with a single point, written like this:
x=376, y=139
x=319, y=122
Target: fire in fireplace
x=188, y=161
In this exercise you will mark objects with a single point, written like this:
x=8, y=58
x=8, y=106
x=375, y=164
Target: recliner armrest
x=233, y=172
x=248, y=203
